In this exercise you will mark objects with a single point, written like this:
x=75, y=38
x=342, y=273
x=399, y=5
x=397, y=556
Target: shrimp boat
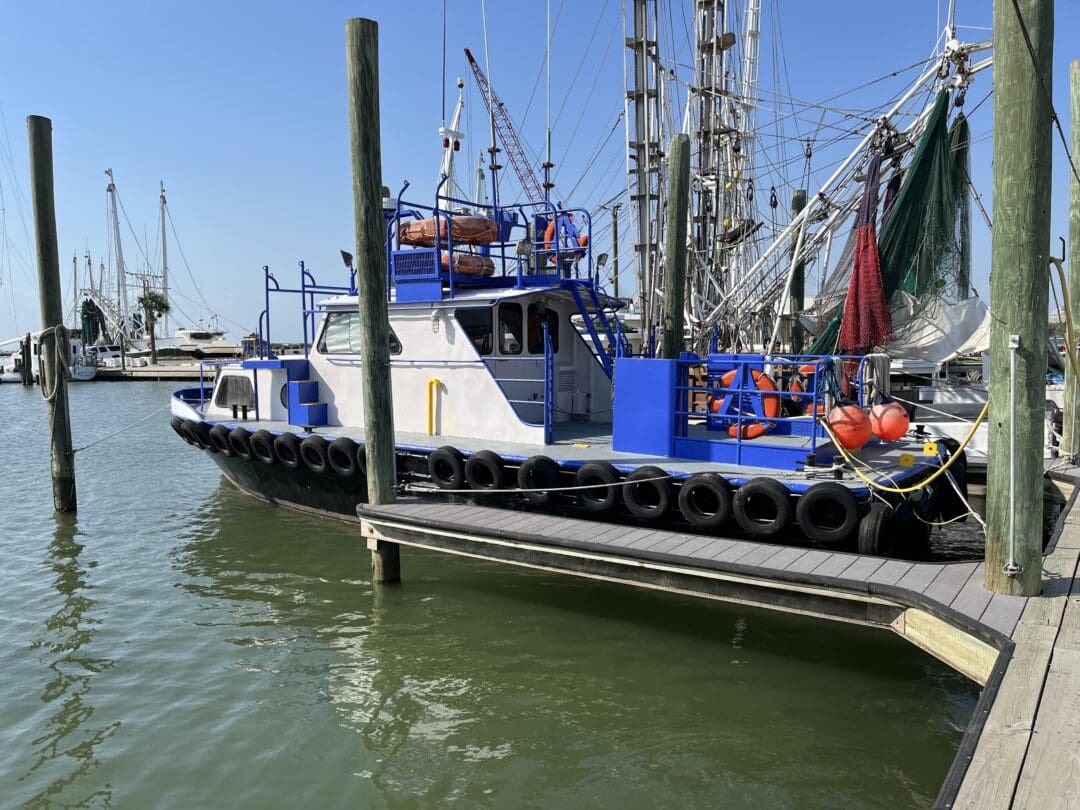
x=498, y=396
x=513, y=382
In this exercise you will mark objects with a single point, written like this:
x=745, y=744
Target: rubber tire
x=219, y=438
x=538, y=472
x=754, y=492
x=287, y=450
x=877, y=534
x=240, y=442
x=176, y=423
x=658, y=505
x=202, y=431
x=446, y=468
x=485, y=470
x=187, y=430
x=313, y=454
x=827, y=497
x=713, y=486
x=341, y=456
x=597, y=472
x=262, y=446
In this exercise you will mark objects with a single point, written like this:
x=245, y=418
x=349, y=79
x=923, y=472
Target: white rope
x=432, y=488
x=61, y=364
x=124, y=429
x=932, y=410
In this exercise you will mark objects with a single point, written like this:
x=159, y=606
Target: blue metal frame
x=549, y=389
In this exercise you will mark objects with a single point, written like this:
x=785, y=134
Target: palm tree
x=154, y=305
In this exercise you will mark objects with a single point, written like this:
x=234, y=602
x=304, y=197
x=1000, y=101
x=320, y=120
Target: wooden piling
x=53, y=378
x=26, y=361
x=678, y=206
x=798, y=280
x=1070, y=421
x=362, y=61
x=1019, y=291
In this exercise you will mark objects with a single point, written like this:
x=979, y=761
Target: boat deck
x=580, y=442
x=1022, y=747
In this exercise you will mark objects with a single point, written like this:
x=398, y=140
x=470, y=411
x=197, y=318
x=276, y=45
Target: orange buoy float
x=468, y=264
x=889, y=420
x=794, y=388
x=850, y=425
x=549, y=240
x=464, y=229
x=770, y=404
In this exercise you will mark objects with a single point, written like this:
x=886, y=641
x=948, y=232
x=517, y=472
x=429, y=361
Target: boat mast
x=646, y=152
x=121, y=275
x=164, y=265
x=451, y=141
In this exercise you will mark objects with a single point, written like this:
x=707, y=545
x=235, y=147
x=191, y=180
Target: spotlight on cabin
x=523, y=249
x=601, y=260
x=347, y=258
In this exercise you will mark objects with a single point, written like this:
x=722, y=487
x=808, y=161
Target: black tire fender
x=240, y=442
x=219, y=439
x=876, y=531
x=647, y=494
x=762, y=508
x=287, y=450
x=484, y=470
x=187, y=430
x=176, y=423
x=341, y=456
x=262, y=446
x=446, y=467
x=538, y=473
x=705, y=501
x=313, y=454
x=202, y=433
x=601, y=498
x=828, y=512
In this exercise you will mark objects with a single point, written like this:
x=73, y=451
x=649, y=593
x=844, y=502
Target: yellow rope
x=926, y=481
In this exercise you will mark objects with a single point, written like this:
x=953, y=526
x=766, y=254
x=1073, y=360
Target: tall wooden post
x=615, y=247
x=53, y=379
x=1019, y=296
x=26, y=361
x=1070, y=423
x=362, y=57
x=678, y=206
x=798, y=280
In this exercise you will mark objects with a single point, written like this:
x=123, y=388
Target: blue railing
x=308, y=289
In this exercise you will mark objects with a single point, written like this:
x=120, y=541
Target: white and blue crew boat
x=512, y=382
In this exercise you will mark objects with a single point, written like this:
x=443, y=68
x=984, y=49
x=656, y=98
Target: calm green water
x=181, y=645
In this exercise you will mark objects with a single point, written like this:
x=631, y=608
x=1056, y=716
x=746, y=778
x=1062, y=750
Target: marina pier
x=1022, y=746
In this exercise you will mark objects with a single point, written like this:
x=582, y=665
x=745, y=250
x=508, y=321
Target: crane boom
x=507, y=134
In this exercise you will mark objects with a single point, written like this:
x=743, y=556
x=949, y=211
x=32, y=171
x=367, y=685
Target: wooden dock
x=1022, y=746
x=162, y=372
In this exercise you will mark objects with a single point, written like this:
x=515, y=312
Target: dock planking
x=1025, y=737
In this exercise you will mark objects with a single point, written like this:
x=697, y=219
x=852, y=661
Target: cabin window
x=537, y=317
x=234, y=389
x=476, y=321
x=510, y=328
x=341, y=335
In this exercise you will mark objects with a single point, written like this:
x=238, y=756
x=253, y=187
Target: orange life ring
x=770, y=404
x=468, y=264
x=549, y=241
x=466, y=230
x=796, y=387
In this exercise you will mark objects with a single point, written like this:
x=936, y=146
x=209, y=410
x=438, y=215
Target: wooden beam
x=362, y=58
x=53, y=380
x=678, y=206
x=1070, y=426
x=1019, y=291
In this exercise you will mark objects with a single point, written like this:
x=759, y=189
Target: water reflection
x=66, y=751
x=474, y=682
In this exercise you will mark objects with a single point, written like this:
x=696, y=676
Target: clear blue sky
x=241, y=109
